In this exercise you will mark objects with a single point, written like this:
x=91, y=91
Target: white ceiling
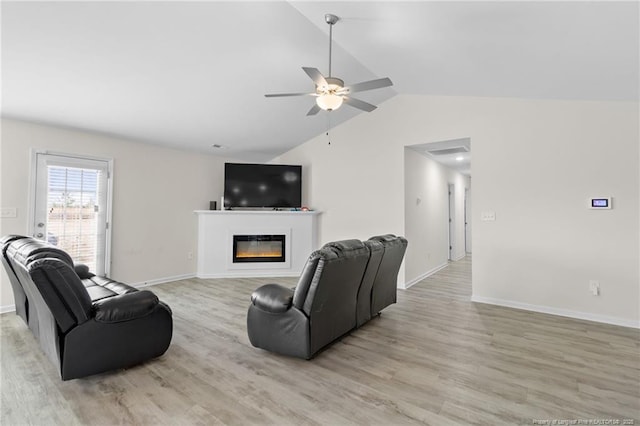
x=193, y=74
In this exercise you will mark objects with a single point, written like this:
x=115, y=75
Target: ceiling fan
x=330, y=91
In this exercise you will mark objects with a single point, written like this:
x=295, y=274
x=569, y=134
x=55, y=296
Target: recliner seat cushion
x=101, y=287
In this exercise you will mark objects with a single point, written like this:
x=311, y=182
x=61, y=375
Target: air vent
x=449, y=151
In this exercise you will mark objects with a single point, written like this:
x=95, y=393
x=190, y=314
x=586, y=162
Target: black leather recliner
x=333, y=296
x=84, y=324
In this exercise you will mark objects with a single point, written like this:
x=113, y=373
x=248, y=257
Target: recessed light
x=460, y=158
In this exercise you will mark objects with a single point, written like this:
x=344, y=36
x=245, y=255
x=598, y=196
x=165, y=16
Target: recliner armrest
x=125, y=307
x=272, y=298
x=82, y=271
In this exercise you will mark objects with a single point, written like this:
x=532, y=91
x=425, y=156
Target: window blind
x=74, y=203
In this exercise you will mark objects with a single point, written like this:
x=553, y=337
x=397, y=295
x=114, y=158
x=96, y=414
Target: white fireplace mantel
x=215, y=241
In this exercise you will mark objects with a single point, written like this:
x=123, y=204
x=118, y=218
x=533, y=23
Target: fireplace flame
x=245, y=254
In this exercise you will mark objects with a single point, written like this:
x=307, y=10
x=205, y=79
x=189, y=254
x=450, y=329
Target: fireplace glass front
x=258, y=248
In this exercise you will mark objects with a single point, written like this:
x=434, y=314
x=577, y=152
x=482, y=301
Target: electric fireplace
x=258, y=248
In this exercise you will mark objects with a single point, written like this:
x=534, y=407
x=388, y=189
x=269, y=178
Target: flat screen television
x=262, y=186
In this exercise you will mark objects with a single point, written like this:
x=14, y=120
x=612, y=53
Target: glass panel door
x=71, y=206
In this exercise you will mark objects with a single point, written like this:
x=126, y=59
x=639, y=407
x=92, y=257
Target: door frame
x=451, y=190
x=31, y=194
x=467, y=237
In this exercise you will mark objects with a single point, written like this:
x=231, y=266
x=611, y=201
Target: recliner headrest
x=345, y=246
x=374, y=245
x=8, y=239
x=27, y=250
x=385, y=238
x=390, y=240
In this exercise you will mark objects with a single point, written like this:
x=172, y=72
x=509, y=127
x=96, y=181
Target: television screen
x=262, y=185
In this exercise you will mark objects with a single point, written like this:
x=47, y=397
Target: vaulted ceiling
x=193, y=74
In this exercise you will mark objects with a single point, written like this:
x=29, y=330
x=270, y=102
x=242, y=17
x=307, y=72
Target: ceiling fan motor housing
x=333, y=84
x=331, y=19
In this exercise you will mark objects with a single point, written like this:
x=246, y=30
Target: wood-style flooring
x=433, y=358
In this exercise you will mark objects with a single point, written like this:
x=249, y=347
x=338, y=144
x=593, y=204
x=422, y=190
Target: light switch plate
x=488, y=216
x=8, y=212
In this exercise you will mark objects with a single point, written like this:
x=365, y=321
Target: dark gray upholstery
x=385, y=284
x=19, y=296
x=363, y=313
x=85, y=324
x=333, y=296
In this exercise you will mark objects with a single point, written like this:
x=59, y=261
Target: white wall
x=426, y=215
x=155, y=192
x=535, y=163
x=354, y=183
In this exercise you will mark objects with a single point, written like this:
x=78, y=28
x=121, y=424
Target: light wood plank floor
x=433, y=358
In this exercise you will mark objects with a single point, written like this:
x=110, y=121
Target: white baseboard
x=7, y=308
x=556, y=311
x=423, y=276
x=459, y=258
x=162, y=280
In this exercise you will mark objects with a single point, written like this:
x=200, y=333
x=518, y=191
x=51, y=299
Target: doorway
x=72, y=206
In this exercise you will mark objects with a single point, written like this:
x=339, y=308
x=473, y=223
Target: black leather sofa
x=342, y=286
x=84, y=324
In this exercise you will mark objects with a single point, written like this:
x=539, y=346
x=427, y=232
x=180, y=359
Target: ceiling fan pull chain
x=328, y=128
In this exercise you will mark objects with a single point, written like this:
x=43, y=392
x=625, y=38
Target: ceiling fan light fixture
x=330, y=91
x=329, y=101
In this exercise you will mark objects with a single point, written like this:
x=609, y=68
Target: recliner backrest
x=306, y=277
x=331, y=297
x=363, y=312
x=21, y=301
x=385, y=284
x=62, y=290
x=49, y=271
x=28, y=249
x=18, y=253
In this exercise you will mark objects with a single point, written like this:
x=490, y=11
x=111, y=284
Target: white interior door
x=72, y=207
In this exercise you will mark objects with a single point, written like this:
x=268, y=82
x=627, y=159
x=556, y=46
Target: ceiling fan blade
x=369, y=85
x=314, y=110
x=357, y=103
x=279, y=95
x=316, y=76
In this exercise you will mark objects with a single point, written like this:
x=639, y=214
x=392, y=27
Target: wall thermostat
x=599, y=203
